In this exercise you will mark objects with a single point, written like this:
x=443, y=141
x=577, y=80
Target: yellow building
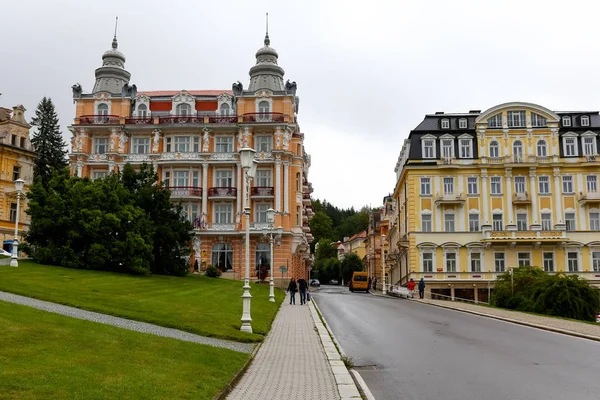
x=193, y=138
x=480, y=193
x=354, y=244
x=16, y=161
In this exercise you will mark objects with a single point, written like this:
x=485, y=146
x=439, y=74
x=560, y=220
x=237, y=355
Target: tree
x=321, y=226
x=350, y=264
x=325, y=249
x=47, y=141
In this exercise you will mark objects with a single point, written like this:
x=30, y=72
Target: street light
x=382, y=265
x=249, y=166
x=13, y=260
x=269, y=234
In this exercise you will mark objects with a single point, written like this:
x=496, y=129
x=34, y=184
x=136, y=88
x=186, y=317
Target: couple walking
x=301, y=285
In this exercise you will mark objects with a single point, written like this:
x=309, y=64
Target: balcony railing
x=99, y=119
x=524, y=236
x=222, y=192
x=589, y=197
x=222, y=119
x=590, y=158
x=263, y=117
x=262, y=191
x=259, y=226
x=220, y=227
x=139, y=120
x=181, y=119
x=137, y=157
x=185, y=191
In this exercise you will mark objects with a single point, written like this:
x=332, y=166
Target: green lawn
x=50, y=356
x=206, y=306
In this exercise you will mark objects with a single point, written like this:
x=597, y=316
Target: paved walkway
x=297, y=361
x=124, y=323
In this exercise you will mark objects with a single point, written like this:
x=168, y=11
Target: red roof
x=362, y=234
x=192, y=92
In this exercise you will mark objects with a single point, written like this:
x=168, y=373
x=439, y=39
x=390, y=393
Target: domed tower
x=266, y=74
x=112, y=76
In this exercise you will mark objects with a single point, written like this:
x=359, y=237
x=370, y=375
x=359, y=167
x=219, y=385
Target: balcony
x=259, y=226
x=185, y=191
x=139, y=121
x=524, y=236
x=306, y=199
x=305, y=227
x=220, y=227
x=262, y=192
x=450, y=198
x=589, y=198
x=99, y=120
x=263, y=117
x=181, y=119
x=222, y=119
x=222, y=193
x=521, y=198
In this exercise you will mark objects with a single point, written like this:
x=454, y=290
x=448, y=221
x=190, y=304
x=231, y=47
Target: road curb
x=516, y=321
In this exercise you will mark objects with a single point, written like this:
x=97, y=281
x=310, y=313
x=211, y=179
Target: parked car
x=333, y=282
x=359, y=281
x=315, y=282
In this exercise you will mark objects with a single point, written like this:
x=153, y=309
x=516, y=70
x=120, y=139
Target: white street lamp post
x=269, y=234
x=383, y=265
x=15, y=250
x=249, y=166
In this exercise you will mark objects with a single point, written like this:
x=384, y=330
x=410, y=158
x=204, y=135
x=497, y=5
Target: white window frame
x=542, y=148
x=522, y=221
x=474, y=222
x=543, y=184
x=548, y=261
x=142, y=110
x=448, y=184
x=570, y=223
x=426, y=222
x=428, y=144
x=263, y=143
x=224, y=110
x=546, y=221
x=100, y=143
x=430, y=259
x=566, y=121
x=497, y=222
x=499, y=262
x=447, y=146
x=588, y=145
x=425, y=184
x=520, y=261
x=182, y=144
x=180, y=178
x=570, y=148
x=223, y=213
x=585, y=120
x=494, y=147
x=594, y=217
x=260, y=211
x=567, y=184
x=449, y=222
x=183, y=110
x=445, y=124
x=520, y=184
x=263, y=178
x=516, y=119
x=496, y=185
x=591, y=183
x=595, y=259
x=223, y=143
x=103, y=109
x=466, y=147
x=475, y=263
x=99, y=175
x=495, y=121
x=518, y=151
x=472, y=185
x=451, y=263
x=462, y=123
x=570, y=260
x=138, y=143
x=538, y=121
x=224, y=178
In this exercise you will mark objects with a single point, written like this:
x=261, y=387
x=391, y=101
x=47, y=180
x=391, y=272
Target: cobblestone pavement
x=291, y=363
x=124, y=323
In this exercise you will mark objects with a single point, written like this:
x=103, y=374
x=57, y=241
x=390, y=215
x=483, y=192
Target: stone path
x=124, y=323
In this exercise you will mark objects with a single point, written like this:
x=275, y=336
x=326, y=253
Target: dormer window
x=428, y=146
x=589, y=145
x=225, y=109
x=570, y=145
x=516, y=119
x=142, y=110
x=495, y=121
x=184, y=110
x=462, y=123
x=466, y=147
x=445, y=123
x=103, y=109
x=566, y=121
x=537, y=120
x=585, y=120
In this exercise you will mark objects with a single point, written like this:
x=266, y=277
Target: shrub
x=212, y=272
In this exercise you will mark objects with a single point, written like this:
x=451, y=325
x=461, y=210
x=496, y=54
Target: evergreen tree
x=47, y=141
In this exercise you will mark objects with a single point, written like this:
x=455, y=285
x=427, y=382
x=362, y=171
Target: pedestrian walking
x=370, y=283
x=411, y=287
x=374, y=284
x=303, y=287
x=421, y=288
x=292, y=287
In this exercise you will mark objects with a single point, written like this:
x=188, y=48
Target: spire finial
x=267, y=40
x=114, y=42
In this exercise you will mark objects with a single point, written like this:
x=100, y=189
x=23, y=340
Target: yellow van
x=360, y=281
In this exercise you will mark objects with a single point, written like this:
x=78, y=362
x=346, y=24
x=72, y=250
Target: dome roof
x=266, y=74
x=112, y=76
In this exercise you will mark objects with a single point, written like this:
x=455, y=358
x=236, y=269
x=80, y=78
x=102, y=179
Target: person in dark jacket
x=292, y=287
x=303, y=287
x=422, y=288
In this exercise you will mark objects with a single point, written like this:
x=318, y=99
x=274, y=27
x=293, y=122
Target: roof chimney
x=474, y=111
x=439, y=112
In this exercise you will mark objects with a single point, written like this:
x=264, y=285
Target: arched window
x=518, y=151
x=297, y=181
x=184, y=110
x=142, y=110
x=494, y=149
x=103, y=109
x=225, y=109
x=263, y=107
x=222, y=256
x=542, y=148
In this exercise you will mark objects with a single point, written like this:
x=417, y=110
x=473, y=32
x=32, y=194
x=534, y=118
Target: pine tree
x=47, y=141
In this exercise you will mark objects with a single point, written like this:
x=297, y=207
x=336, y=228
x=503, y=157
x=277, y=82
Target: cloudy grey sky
x=366, y=74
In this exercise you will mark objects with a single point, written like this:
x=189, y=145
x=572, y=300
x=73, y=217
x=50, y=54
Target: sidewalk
x=297, y=360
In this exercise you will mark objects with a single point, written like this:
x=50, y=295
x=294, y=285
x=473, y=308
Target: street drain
x=366, y=367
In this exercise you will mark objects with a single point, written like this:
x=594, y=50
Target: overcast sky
x=366, y=74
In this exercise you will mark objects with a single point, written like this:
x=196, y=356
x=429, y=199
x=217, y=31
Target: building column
x=241, y=185
x=534, y=205
x=485, y=196
x=509, y=195
x=558, y=206
x=204, y=188
x=476, y=294
x=277, y=185
x=286, y=187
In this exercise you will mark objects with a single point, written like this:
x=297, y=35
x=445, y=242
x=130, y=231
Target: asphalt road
x=425, y=352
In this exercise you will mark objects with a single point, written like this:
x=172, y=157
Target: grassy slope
x=206, y=306
x=49, y=356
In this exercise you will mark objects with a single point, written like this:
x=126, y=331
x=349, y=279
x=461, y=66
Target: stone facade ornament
x=206, y=140
x=287, y=136
x=156, y=140
x=122, y=140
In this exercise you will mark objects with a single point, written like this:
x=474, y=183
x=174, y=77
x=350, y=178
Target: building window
x=224, y=111
x=520, y=184
x=546, y=221
x=448, y=185
x=516, y=119
x=103, y=109
x=447, y=148
x=462, y=123
x=181, y=178
x=100, y=145
x=140, y=145
x=223, y=213
x=425, y=186
x=475, y=262
x=544, y=184
x=594, y=221
x=261, y=212
x=182, y=144
x=13, y=212
x=224, y=178
x=585, y=120
x=167, y=178
x=570, y=221
x=548, y=258
x=523, y=259
x=570, y=146
x=596, y=261
x=298, y=216
x=589, y=146
x=22, y=142
x=566, y=121
x=473, y=222
x=142, y=111
x=224, y=144
x=542, y=148
x=495, y=121
x=496, y=185
x=428, y=148
x=521, y=222
x=466, y=148
x=537, y=120
x=183, y=110
x=494, y=149
x=98, y=175
x=472, y=185
x=499, y=262
x=448, y=222
x=264, y=144
x=13, y=140
x=263, y=257
x=572, y=261
x=16, y=172
x=445, y=124
x=497, y=224
x=297, y=181
x=263, y=107
x=426, y=222
x=518, y=151
x=222, y=256
x=427, y=261
x=592, y=183
x=567, y=184
x=263, y=178
x=450, y=262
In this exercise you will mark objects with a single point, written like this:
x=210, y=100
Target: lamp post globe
x=14, y=262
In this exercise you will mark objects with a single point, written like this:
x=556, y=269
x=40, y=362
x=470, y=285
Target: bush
x=212, y=272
